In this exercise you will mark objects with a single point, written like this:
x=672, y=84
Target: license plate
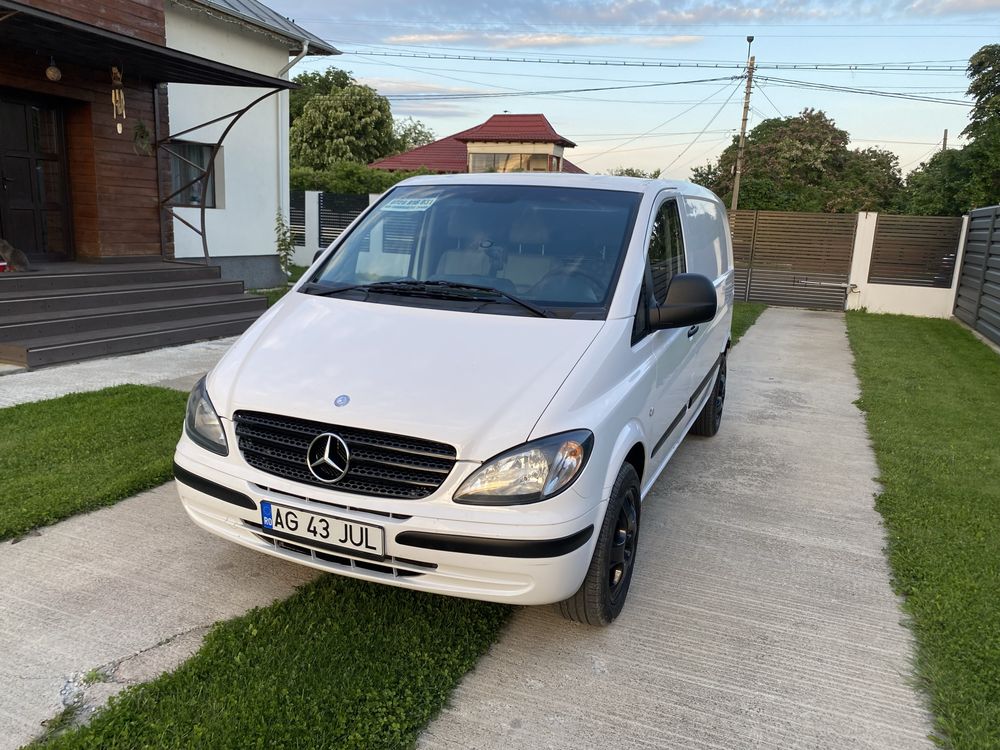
x=323, y=532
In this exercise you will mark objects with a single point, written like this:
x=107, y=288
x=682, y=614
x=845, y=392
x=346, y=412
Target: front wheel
x=602, y=595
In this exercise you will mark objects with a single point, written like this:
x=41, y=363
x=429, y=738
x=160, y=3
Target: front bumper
x=514, y=563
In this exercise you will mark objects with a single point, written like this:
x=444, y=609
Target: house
x=251, y=170
x=504, y=143
x=110, y=113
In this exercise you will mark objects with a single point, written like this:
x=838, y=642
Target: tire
x=707, y=423
x=601, y=597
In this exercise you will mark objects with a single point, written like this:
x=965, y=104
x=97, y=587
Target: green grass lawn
x=745, y=314
x=273, y=295
x=84, y=451
x=931, y=393
x=341, y=664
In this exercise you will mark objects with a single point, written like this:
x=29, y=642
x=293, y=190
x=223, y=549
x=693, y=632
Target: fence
x=915, y=250
x=885, y=263
x=978, y=300
x=316, y=219
x=796, y=259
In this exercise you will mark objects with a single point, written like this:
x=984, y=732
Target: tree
x=348, y=177
x=350, y=124
x=408, y=134
x=956, y=180
x=941, y=186
x=315, y=83
x=984, y=88
x=802, y=163
x=653, y=174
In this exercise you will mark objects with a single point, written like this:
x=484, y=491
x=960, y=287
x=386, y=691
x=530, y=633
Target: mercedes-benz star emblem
x=328, y=458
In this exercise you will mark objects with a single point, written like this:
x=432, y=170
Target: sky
x=679, y=111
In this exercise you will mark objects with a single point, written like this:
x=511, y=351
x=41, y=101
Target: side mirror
x=691, y=299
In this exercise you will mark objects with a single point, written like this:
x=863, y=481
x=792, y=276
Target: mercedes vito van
x=473, y=389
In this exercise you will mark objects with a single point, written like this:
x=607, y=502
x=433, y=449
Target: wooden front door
x=34, y=200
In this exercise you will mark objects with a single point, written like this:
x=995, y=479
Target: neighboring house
x=103, y=162
x=86, y=91
x=504, y=143
x=251, y=171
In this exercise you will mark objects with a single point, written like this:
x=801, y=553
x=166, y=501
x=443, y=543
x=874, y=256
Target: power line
x=645, y=63
x=868, y=92
x=496, y=94
x=707, y=126
x=662, y=124
x=921, y=158
x=760, y=88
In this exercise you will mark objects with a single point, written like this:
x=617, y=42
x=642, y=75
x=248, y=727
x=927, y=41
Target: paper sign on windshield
x=409, y=204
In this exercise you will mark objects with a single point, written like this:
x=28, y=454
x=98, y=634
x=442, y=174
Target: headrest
x=529, y=229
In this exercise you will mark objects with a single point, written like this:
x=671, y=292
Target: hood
x=476, y=381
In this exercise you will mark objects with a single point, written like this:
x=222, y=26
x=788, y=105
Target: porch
x=69, y=311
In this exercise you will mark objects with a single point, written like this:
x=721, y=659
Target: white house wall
x=252, y=176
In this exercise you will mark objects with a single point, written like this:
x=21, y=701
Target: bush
x=347, y=177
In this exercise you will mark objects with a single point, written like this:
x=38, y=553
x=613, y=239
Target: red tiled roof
x=450, y=155
x=523, y=128
x=447, y=156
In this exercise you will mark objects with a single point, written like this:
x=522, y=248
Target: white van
x=473, y=389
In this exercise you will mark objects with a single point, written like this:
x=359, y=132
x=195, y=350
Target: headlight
x=202, y=423
x=529, y=473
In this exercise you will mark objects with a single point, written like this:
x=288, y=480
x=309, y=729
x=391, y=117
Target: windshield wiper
x=459, y=286
x=436, y=287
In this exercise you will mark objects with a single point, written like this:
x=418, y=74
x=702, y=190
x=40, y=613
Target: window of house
x=508, y=163
x=666, y=249
x=188, y=161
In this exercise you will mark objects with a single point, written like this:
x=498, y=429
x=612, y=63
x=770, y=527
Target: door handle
x=692, y=331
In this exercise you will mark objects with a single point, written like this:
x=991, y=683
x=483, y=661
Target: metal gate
x=793, y=259
x=978, y=300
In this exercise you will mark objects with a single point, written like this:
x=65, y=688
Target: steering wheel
x=562, y=280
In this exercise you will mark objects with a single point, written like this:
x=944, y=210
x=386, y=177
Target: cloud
x=522, y=23
x=537, y=40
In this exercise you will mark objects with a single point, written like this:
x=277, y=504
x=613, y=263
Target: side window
x=666, y=249
x=707, y=232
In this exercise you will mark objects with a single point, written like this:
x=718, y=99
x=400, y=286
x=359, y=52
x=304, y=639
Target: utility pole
x=944, y=141
x=743, y=128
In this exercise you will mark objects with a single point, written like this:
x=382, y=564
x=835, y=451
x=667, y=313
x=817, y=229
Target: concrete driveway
x=760, y=614
x=130, y=589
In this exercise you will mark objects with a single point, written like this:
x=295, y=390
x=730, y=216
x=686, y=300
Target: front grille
x=381, y=465
x=398, y=567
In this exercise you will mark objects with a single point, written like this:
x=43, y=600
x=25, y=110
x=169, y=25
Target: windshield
x=556, y=248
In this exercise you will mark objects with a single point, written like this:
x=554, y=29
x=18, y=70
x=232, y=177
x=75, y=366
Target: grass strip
x=931, y=394
x=84, y=451
x=341, y=664
x=745, y=314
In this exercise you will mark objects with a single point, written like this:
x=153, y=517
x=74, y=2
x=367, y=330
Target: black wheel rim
x=720, y=394
x=623, y=541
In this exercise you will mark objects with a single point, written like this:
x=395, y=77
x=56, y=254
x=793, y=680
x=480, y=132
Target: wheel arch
x=630, y=447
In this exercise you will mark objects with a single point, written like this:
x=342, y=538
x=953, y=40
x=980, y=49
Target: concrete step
x=51, y=350
x=71, y=322
x=58, y=300
x=76, y=280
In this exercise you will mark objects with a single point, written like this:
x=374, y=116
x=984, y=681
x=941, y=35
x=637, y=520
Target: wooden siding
x=915, y=250
x=142, y=19
x=113, y=189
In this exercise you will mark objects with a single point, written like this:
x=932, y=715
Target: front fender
x=630, y=435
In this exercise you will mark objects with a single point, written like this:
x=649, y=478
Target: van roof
x=564, y=179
